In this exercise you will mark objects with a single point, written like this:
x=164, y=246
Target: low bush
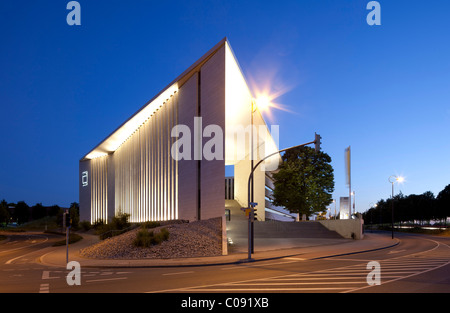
x=118, y=225
x=150, y=224
x=85, y=225
x=145, y=238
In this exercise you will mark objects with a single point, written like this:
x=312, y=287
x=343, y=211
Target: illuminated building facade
x=142, y=170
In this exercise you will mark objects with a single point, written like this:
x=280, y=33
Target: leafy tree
x=443, y=203
x=4, y=213
x=21, y=212
x=426, y=204
x=304, y=182
x=38, y=211
x=53, y=210
x=74, y=214
x=413, y=208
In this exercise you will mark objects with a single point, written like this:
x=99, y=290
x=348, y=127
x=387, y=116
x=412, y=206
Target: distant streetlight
x=392, y=179
x=354, y=202
x=262, y=103
x=334, y=200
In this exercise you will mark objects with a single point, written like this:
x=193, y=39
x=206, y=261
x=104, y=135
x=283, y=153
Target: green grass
x=36, y=225
x=72, y=239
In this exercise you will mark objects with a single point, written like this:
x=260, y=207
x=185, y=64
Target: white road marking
x=297, y=259
x=178, y=273
x=105, y=279
x=44, y=288
x=46, y=275
x=343, y=279
x=27, y=246
x=396, y=251
x=251, y=265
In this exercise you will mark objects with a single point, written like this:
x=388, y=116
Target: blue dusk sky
x=383, y=90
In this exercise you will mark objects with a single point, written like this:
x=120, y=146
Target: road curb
x=56, y=258
x=96, y=263
x=357, y=252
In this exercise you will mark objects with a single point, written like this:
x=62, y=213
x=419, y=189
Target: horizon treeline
x=21, y=212
x=414, y=209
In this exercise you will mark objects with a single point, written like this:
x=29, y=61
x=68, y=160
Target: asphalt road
x=418, y=264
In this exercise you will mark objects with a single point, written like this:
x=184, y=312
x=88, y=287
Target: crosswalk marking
x=343, y=279
x=44, y=288
x=61, y=275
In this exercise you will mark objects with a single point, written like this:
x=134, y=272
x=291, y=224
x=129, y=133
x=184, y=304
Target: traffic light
x=255, y=213
x=317, y=142
x=67, y=219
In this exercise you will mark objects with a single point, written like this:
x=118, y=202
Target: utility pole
x=66, y=225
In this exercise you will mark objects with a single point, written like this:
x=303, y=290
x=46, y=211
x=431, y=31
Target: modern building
x=168, y=160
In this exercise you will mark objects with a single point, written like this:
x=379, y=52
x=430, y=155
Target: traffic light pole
x=66, y=223
x=251, y=204
x=67, y=244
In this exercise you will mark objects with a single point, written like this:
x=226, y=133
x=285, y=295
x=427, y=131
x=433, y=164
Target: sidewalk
x=302, y=248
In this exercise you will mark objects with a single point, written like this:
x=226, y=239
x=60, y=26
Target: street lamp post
x=251, y=197
x=262, y=102
x=251, y=205
x=334, y=200
x=354, y=202
x=392, y=179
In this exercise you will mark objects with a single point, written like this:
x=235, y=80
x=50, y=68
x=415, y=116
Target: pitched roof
x=118, y=136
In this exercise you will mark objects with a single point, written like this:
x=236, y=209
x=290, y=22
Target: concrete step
x=238, y=226
x=310, y=229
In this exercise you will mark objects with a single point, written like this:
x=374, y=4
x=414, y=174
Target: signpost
x=348, y=179
x=66, y=225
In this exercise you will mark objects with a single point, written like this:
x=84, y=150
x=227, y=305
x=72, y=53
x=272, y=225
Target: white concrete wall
x=145, y=174
x=99, y=189
x=346, y=228
x=187, y=169
x=111, y=188
x=213, y=113
x=238, y=99
x=85, y=192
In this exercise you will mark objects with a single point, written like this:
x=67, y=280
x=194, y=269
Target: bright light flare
x=263, y=103
x=266, y=90
x=397, y=179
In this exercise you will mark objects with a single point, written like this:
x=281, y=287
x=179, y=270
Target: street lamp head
x=395, y=178
x=262, y=103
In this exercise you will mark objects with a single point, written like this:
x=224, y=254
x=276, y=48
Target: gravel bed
x=194, y=239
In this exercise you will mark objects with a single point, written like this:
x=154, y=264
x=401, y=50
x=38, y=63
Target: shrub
x=120, y=221
x=161, y=236
x=150, y=224
x=85, y=225
x=145, y=238
x=118, y=225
